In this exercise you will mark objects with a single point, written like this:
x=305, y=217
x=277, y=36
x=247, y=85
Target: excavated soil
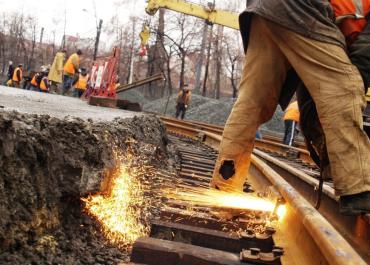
x=46, y=165
x=201, y=109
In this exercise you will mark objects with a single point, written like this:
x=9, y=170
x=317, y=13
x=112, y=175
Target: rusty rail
x=123, y=88
x=306, y=226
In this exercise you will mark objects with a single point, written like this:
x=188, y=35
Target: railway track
x=187, y=234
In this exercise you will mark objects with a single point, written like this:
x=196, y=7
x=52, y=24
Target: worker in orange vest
x=35, y=82
x=183, y=101
x=81, y=84
x=45, y=83
x=71, y=71
x=17, y=76
x=291, y=120
x=351, y=17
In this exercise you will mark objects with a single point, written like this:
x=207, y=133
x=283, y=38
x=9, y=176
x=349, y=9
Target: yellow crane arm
x=145, y=35
x=211, y=15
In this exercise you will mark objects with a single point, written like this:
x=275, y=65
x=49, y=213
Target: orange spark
x=120, y=210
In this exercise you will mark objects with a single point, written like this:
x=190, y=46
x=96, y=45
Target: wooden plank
x=197, y=168
x=209, y=238
x=206, y=180
x=195, y=163
x=199, y=219
x=138, y=83
x=194, y=172
x=201, y=160
x=103, y=102
x=193, y=183
x=202, y=153
x=153, y=251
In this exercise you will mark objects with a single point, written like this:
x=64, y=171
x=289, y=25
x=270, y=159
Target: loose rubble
x=202, y=109
x=46, y=165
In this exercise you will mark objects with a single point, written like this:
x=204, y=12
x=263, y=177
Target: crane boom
x=213, y=16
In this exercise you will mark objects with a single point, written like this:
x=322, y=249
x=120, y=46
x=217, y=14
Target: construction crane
x=208, y=13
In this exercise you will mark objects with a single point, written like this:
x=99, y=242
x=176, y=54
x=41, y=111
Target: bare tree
x=158, y=57
x=218, y=60
x=208, y=60
x=234, y=57
x=184, y=41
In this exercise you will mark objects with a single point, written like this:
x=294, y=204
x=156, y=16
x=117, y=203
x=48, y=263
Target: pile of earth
x=202, y=109
x=46, y=165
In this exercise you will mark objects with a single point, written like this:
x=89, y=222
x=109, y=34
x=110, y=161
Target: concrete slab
x=30, y=102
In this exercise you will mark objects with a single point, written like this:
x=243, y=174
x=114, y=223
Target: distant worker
x=10, y=73
x=81, y=84
x=45, y=84
x=17, y=76
x=56, y=71
x=183, y=101
x=291, y=120
x=71, y=70
x=285, y=41
x=35, y=82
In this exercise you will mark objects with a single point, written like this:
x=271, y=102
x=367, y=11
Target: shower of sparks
x=134, y=192
x=121, y=209
x=212, y=198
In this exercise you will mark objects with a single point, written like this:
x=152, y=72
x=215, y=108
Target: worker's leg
x=263, y=75
x=177, y=111
x=183, y=111
x=337, y=90
x=67, y=83
x=288, y=128
x=75, y=93
x=289, y=132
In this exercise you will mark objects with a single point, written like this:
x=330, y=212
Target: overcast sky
x=81, y=19
x=80, y=14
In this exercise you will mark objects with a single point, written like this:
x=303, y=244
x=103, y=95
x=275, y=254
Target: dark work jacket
x=10, y=72
x=359, y=53
x=313, y=19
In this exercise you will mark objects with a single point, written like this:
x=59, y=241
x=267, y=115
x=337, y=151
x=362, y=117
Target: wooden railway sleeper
x=209, y=238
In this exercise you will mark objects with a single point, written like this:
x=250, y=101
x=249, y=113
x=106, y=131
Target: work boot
x=355, y=204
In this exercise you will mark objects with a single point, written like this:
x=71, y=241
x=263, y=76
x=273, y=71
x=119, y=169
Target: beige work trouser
x=333, y=82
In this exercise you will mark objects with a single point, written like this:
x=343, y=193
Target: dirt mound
x=46, y=166
x=209, y=110
x=133, y=96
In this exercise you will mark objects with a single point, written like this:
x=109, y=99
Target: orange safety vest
x=368, y=95
x=43, y=84
x=34, y=80
x=69, y=67
x=82, y=82
x=15, y=76
x=351, y=27
x=292, y=112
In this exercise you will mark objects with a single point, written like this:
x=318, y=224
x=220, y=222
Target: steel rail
x=306, y=227
x=302, y=154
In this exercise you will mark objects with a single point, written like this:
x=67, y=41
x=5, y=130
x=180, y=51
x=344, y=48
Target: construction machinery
x=103, y=86
x=103, y=77
x=208, y=13
x=144, y=38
